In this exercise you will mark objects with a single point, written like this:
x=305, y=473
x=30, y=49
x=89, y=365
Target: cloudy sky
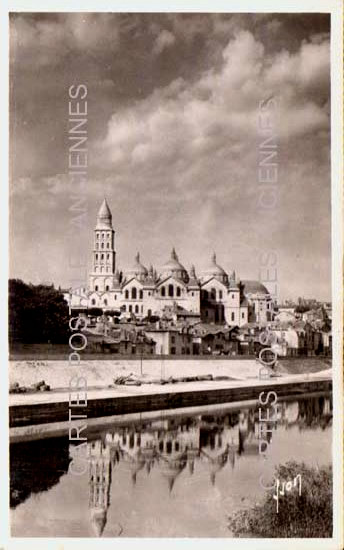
x=173, y=141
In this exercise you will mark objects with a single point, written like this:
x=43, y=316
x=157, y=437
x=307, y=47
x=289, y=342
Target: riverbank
x=42, y=408
x=101, y=373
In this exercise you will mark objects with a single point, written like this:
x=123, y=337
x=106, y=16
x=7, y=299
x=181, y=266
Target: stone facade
x=214, y=296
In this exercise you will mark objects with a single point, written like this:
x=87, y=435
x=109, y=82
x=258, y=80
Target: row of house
x=177, y=334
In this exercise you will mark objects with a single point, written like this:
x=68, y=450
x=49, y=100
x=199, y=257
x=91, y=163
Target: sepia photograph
x=172, y=309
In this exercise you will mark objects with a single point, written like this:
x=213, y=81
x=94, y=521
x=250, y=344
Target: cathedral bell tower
x=104, y=255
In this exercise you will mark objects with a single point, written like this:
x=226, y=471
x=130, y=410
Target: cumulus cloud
x=174, y=136
x=164, y=40
x=220, y=109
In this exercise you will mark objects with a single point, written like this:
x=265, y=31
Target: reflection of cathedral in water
x=174, y=445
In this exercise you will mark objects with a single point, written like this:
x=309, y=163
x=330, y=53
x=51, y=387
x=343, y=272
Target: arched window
x=178, y=291
x=93, y=302
x=220, y=294
x=109, y=235
x=102, y=256
x=105, y=302
x=163, y=293
x=107, y=287
x=107, y=256
x=127, y=294
x=102, y=245
x=170, y=291
x=96, y=287
x=103, y=235
x=96, y=256
x=141, y=294
x=130, y=308
x=136, y=309
x=98, y=236
x=133, y=293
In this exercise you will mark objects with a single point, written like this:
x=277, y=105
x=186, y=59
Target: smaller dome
x=174, y=267
x=137, y=270
x=254, y=287
x=215, y=270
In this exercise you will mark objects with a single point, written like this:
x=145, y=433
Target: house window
x=220, y=294
x=173, y=339
x=141, y=294
x=97, y=235
x=96, y=256
x=162, y=291
x=96, y=287
x=178, y=291
x=136, y=309
x=107, y=245
x=233, y=316
x=108, y=256
x=107, y=287
x=102, y=245
x=126, y=294
x=93, y=302
x=173, y=351
x=133, y=293
x=130, y=308
x=170, y=291
x=243, y=315
x=105, y=302
x=232, y=296
x=213, y=293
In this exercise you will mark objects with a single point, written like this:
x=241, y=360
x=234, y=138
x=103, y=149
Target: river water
x=174, y=473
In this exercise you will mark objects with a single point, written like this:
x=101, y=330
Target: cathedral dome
x=254, y=287
x=104, y=218
x=174, y=268
x=215, y=270
x=138, y=270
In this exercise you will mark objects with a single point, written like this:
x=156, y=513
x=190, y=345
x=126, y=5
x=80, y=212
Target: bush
x=306, y=516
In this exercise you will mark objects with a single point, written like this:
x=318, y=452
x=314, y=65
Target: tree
x=37, y=314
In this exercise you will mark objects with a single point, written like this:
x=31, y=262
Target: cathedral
x=213, y=296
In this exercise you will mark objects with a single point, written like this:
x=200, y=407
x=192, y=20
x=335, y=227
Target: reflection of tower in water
x=99, y=472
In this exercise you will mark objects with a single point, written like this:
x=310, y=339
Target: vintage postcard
x=175, y=276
